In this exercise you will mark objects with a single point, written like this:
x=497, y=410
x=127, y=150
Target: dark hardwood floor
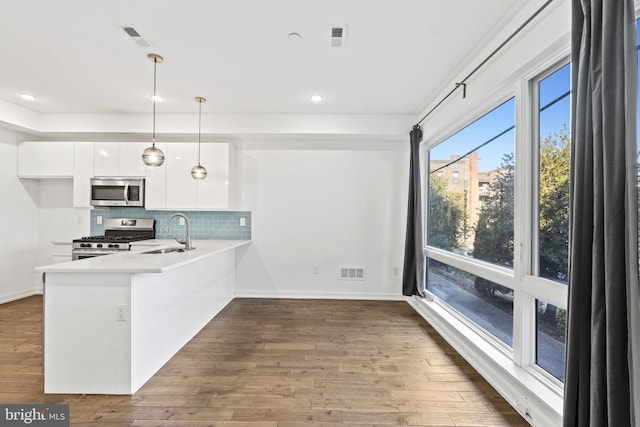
x=264, y=362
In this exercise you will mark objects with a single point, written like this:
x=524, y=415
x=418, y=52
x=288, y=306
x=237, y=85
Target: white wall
x=33, y=213
x=18, y=227
x=325, y=206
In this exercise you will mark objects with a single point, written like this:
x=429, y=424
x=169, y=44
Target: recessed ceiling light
x=27, y=97
x=294, y=36
x=316, y=98
x=156, y=98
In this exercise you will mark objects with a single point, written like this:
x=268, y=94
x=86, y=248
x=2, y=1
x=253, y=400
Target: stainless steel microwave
x=108, y=191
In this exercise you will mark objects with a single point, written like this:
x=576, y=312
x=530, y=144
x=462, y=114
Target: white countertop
x=139, y=262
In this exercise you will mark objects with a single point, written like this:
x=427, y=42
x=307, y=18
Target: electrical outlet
x=181, y=220
x=396, y=271
x=121, y=313
x=99, y=219
x=243, y=222
x=316, y=269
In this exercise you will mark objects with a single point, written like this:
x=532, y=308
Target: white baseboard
x=19, y=295
x=318, y=295
x=538, y=405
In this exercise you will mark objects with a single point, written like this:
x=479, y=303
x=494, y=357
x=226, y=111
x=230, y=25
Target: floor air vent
x=351, y=273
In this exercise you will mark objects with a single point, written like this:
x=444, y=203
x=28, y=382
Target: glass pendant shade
x=153, y=156
x=199, y=171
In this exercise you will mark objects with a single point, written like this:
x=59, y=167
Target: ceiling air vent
x=136, y=37
x=338, y=36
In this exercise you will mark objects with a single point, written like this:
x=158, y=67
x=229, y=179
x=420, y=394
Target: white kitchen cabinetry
x=82, y=173
x=173, y=184
x=181, y=187
x=45, y=159
x=119, y=159
x=213, y=192
x=61, y=252
x=155, y=190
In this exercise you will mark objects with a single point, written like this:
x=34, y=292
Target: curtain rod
x=463, y=82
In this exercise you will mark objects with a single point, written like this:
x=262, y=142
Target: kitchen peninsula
x=111, y=322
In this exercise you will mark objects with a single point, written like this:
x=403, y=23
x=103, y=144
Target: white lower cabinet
x=61, y=252
x=171, y=186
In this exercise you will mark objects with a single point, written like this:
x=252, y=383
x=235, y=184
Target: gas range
x=119, y=233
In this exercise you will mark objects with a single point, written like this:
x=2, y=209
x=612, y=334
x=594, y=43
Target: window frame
x=526, y=286
x=534, y=287
x=501, y=275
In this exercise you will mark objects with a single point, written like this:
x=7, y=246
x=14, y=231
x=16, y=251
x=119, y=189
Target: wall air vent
x=136, y=37
x=351, y=273
x=338, y=36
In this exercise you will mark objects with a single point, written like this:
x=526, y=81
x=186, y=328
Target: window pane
x=471, y=177
x=553, y=202
x=486, y=303
x=551, y=325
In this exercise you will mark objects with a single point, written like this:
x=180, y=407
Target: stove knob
x=110, y=245
x=99, y=245
x=85, y=245
x=116, y=246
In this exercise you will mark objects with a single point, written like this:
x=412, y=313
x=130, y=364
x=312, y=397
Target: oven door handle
x=126, y=193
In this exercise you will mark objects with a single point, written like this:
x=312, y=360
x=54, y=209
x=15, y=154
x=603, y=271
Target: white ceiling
x=74, y=56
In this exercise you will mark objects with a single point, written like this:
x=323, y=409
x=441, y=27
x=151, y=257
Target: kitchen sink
x=165, y=251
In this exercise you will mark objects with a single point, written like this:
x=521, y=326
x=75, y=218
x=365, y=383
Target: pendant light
x=199, y=171
x=153, y=156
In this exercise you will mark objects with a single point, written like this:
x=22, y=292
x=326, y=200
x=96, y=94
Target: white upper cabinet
x=171, y=186
x=213, y=192
x=45, y=159
x=119, y=159
x=155, y=189
x=131, y=163
x=82, y=173
x=181, y=187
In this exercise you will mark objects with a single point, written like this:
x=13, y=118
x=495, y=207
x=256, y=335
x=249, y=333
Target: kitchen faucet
x=187, y=240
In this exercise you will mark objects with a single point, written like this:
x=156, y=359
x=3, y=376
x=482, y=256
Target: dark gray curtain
x=413, y=274
x=601, y=386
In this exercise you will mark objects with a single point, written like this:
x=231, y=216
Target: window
x=458, y=220
x=487, y=304
x=551, y=324
x=474, y=220
x=471, y=229
x=554, y=110
x=551, y=239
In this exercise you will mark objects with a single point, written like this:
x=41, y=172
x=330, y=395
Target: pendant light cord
x=153, y=138
x=199, y=127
